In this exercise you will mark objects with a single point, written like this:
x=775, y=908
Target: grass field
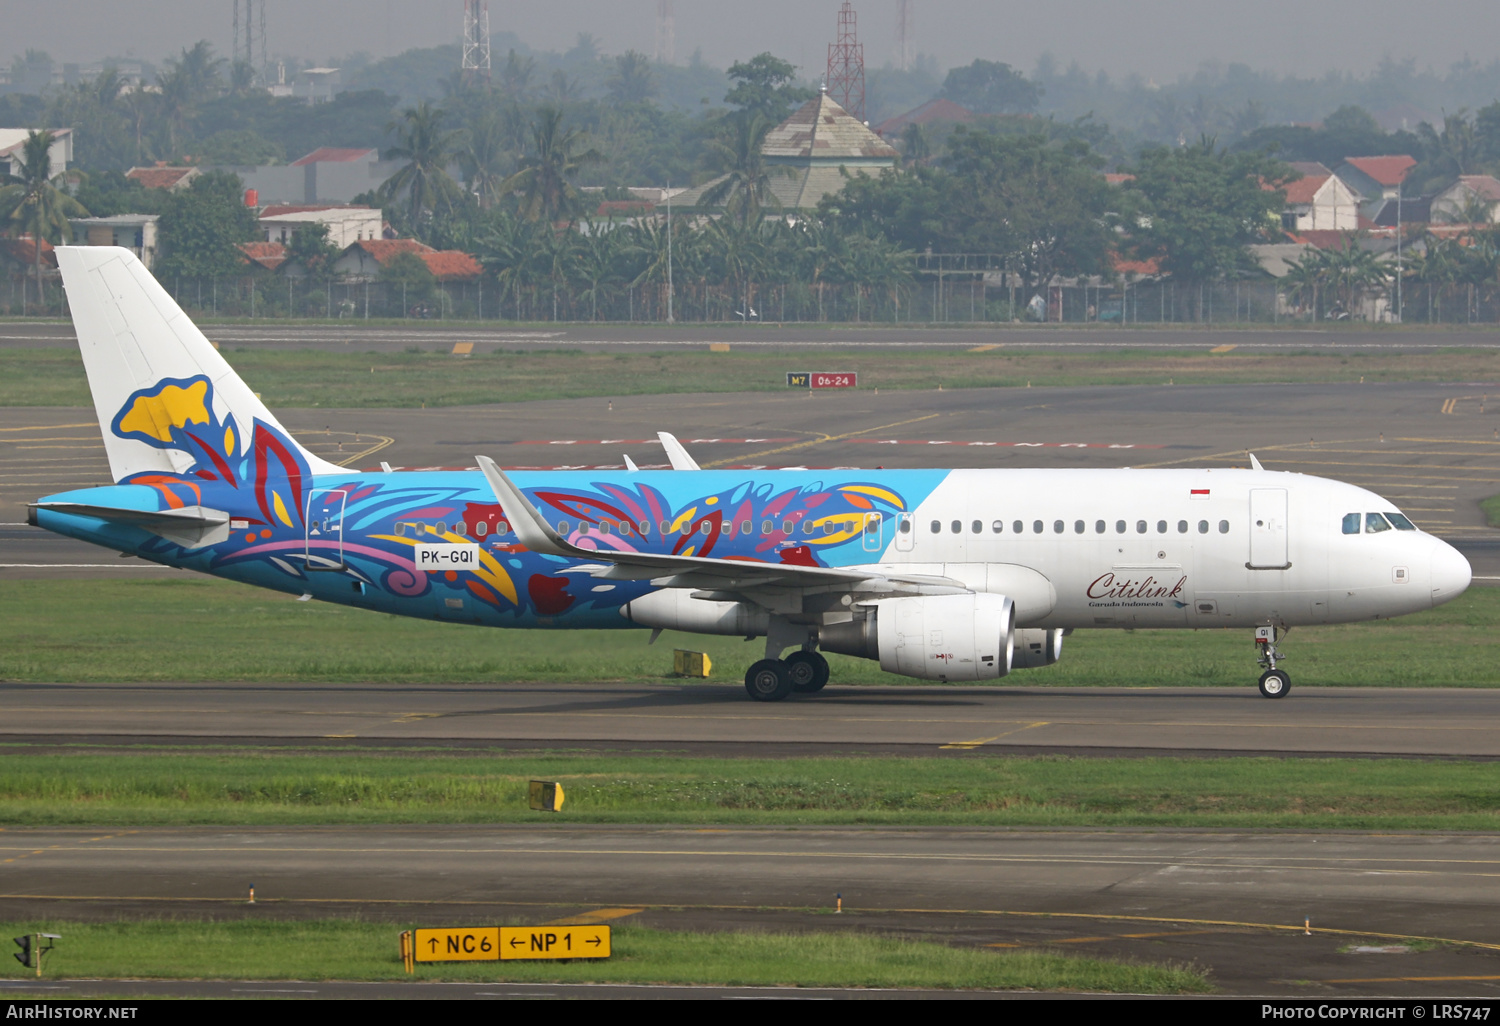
x=54, y=377
x=192, y=628
x=353, y=950
x=269, y=787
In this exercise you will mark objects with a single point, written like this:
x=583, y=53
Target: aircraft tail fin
x=167, y=402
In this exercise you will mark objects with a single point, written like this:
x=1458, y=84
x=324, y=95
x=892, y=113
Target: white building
x=13, y=143
x=1454, y=204
x=135, y=232
x=1376, y=180
x=346, y=225
x=1319, y=201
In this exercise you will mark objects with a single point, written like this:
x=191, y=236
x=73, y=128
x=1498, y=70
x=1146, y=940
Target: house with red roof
x=346, y=224
x=1376, y=180
x=363, y=261
x=936, y=111
x=1467, y=196
x=160, y=176
x=1319, y=201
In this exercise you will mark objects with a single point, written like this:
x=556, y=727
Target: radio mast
x=846, y=65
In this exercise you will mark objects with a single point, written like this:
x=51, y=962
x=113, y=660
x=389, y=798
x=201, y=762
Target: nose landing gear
x=1274, y=683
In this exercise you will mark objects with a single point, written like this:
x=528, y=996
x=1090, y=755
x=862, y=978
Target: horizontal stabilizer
x=191, y=527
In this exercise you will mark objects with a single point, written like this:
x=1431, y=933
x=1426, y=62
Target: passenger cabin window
x=1351, y=523
x=1018, y=527
x=904, y=526
x=645, y=527
x=936, y=527
x=1036, y=527
x=1140, y=527
x=788, y=526
x=767, y=526
x=1400, y=522
x=1079, y=526
x=1375, y=523
x=1099, y=526
x=956, y=527
x=400, y=529
x=1182, y=527
x=998, y=527
x=977, y=527
x=1057, y=527
x=1203, y=527
x=1161, y=527
x=1119, y=527
x=1223, y=527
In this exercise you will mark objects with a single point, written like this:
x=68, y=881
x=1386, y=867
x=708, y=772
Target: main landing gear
x=1274, y=683
x=771, y=680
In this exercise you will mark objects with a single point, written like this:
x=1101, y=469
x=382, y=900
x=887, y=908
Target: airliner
x=943, y=575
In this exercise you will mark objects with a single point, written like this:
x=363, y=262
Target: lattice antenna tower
x=846, y=64
x=246, y=52
x=666, y=32
x=476, y=62
x=905, y=42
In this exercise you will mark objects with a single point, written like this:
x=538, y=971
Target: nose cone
x=1451, y=573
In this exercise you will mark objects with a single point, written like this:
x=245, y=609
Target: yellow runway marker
x=968, y=745
x=1224, y=349
x=599, y=915
x=986, y=349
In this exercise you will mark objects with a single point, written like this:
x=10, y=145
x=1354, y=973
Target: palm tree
x=746, y=184
x=515, y=77
x=543, y=180
x=632, y=81
x=427, y=150
x=33, y=201
x=190, y=78
x=483, y=157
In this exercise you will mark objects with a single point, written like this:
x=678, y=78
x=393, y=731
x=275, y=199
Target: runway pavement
x=1411, y=915
x=1432, y=449
x=361, y=336
x=716, y=719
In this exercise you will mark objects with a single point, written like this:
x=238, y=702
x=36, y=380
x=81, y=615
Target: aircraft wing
x=698, y=572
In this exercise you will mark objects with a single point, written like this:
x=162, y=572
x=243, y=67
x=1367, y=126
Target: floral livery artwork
x=287, y=525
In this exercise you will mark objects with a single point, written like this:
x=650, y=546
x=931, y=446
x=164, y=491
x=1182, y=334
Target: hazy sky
x=1155, y=38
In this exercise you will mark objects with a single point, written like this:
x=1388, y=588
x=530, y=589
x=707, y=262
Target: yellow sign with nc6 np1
x=479, y=944
x=517, y=942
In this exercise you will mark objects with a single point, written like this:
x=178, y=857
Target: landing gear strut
x=1274, y=683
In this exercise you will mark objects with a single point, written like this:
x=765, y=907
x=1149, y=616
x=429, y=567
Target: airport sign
x=798, y=379
x=461, y=944
x=834, y=379
x=527, y=942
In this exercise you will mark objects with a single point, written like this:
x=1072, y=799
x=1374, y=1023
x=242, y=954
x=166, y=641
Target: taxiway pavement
x=1411, y=915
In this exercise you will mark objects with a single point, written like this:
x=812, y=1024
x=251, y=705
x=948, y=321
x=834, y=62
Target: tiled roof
x=269, y=255
x=820, y=130
x=23, y=251
x=160, y=177
x=334, y=155
x=1483, y=186
x=445, y=265
x=1385, y=170
x=1118, y=178
x=939, y=109
x=1305, y=189
x=1323, y=238
x=617, y=208
x=1141, y=267
x=281, y=210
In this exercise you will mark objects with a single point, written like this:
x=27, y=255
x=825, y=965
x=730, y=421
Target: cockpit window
x=1375, y=523
x=1351, y=523
x=1400, y=522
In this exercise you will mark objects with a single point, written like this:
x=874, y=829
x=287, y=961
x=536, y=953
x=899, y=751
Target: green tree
x=310, y=247
x=544, y=180
x=202, y=227
x=632, y=81
x=764, y=88
x=33, y=202
x=188, y=81
x=407, y=274
x=484, y=156
x=1044, y=206
x=989, y=87
x=748, y=180
x=1202, y=207
x=428, y=149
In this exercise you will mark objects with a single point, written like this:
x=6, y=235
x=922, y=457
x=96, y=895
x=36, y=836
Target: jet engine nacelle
x=675, y=609
x=1037, y=648
x=939, y=637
